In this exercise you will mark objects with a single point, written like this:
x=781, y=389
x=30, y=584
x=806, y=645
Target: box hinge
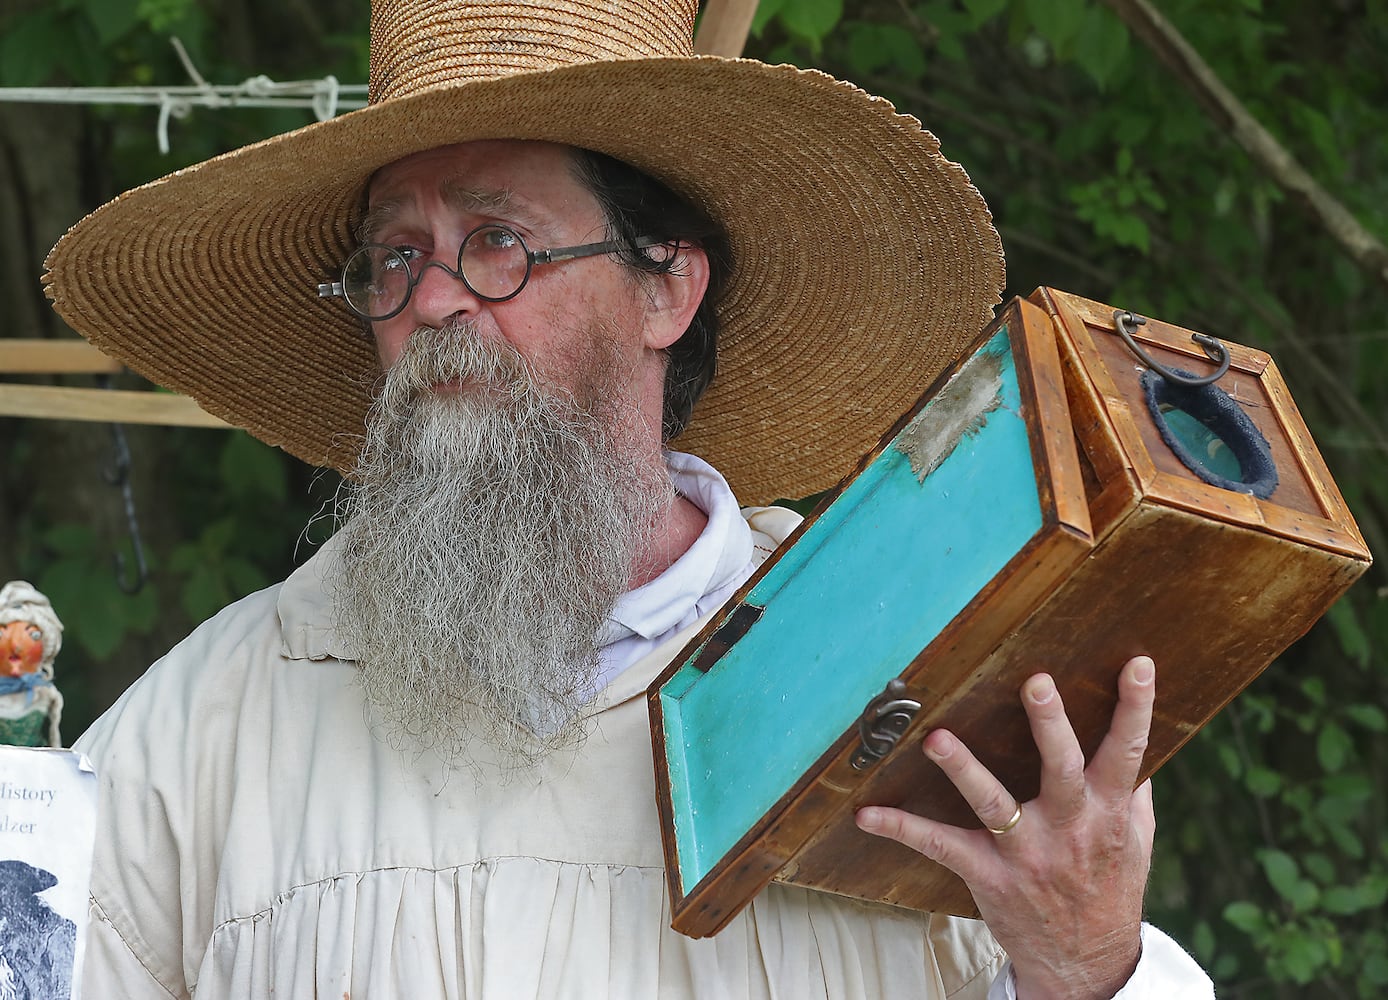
x=724, y=637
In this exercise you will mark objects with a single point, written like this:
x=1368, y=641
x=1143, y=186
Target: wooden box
x=1027, y=514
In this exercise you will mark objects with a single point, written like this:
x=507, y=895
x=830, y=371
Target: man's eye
x=36, y=635
x=404, y=258
x=498, y=239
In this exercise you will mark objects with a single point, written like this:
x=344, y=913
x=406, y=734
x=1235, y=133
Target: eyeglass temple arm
x=331, y=290
x=589, y=250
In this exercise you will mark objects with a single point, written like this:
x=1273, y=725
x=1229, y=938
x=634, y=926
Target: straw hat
x=864, y=260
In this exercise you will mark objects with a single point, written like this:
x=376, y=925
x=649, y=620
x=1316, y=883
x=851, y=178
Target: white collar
x=718, y=556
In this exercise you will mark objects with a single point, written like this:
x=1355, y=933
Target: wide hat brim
x=864, y=260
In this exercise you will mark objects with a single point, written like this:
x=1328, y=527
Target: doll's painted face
x=21, y=649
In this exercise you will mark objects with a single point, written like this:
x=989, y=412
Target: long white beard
x=489, y=531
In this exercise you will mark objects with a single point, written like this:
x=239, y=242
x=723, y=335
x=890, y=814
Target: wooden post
x=116, y=406
x=54, y=357
x=724, y=27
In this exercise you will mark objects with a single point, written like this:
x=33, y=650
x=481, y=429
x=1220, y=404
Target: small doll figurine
x=30, y=637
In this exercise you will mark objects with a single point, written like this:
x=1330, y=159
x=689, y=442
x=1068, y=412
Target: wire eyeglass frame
x=533, y=259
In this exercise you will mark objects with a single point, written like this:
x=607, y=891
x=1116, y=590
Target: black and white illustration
x=37, y=945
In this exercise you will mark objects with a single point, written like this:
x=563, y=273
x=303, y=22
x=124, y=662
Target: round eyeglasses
x=493, y=262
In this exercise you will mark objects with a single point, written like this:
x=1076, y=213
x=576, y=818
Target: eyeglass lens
x=377, y=281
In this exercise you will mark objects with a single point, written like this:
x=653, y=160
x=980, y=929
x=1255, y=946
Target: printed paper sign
x=47, y=831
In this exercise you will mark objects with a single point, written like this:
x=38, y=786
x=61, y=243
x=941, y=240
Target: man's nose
x=441, y=295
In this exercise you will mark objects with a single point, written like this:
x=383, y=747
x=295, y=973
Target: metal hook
x=118, y=474
x=882, y=724
x=1214, y=349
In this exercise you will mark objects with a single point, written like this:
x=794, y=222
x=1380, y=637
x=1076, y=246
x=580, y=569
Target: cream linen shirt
x=257, y=839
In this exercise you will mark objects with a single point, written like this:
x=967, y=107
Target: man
x=420, y=767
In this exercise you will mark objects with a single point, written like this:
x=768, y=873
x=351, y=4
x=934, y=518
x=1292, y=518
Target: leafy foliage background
x=1106, y=179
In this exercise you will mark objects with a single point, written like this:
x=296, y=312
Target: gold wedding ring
x=998, y=831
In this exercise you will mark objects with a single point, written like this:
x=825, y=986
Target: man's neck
x=676, y=530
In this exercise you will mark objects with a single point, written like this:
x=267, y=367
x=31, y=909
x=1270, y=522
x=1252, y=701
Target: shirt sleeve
x=111, y=969
x=1164, y=972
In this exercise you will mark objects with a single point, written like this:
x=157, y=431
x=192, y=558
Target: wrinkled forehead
x=510, y=179
x=458, y=194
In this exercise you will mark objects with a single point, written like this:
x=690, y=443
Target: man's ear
x=675, y=295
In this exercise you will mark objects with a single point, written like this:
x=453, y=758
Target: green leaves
x=72, y=42
x=80, y=581
x=1118, y=206
x=1354, y=641
x=810, y=20
x=220, y=564
x=1285, y=876
x=1369, y=893
x=1371, y=717
x=1247, y=917
x=982, y=11
x=1333, y=747
x=1263, y=782
x=163, y=15
x=251, y=470
x=766, y=12
x=35, y=46
x=1057, y=21
x=1102, y=48
x=213, y=572
x=884, y=48
x=112, y=18
x=1299, y=950
x=1310, y=904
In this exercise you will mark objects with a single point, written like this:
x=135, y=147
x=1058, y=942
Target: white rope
x=289, y=94
x=324, y=97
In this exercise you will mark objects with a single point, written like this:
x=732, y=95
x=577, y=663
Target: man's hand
x=1060, y=887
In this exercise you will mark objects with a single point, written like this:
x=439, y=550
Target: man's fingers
x=990, y=801
x=1062, y=760
x=1113, y=771
x=950, y=846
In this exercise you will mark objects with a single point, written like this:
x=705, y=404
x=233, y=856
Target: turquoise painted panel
x=865, y=589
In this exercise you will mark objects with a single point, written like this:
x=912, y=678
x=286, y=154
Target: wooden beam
x=115, y=406
x=724, y=28
x=54, y=357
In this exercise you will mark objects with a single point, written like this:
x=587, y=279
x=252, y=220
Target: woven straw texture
x=865, y=261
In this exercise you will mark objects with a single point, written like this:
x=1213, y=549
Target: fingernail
x=1144, y=670
x=1041, y=690
x=869, y=819
x=940, y=748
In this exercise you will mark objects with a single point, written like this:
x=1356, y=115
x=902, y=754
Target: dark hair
x=637, y=205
